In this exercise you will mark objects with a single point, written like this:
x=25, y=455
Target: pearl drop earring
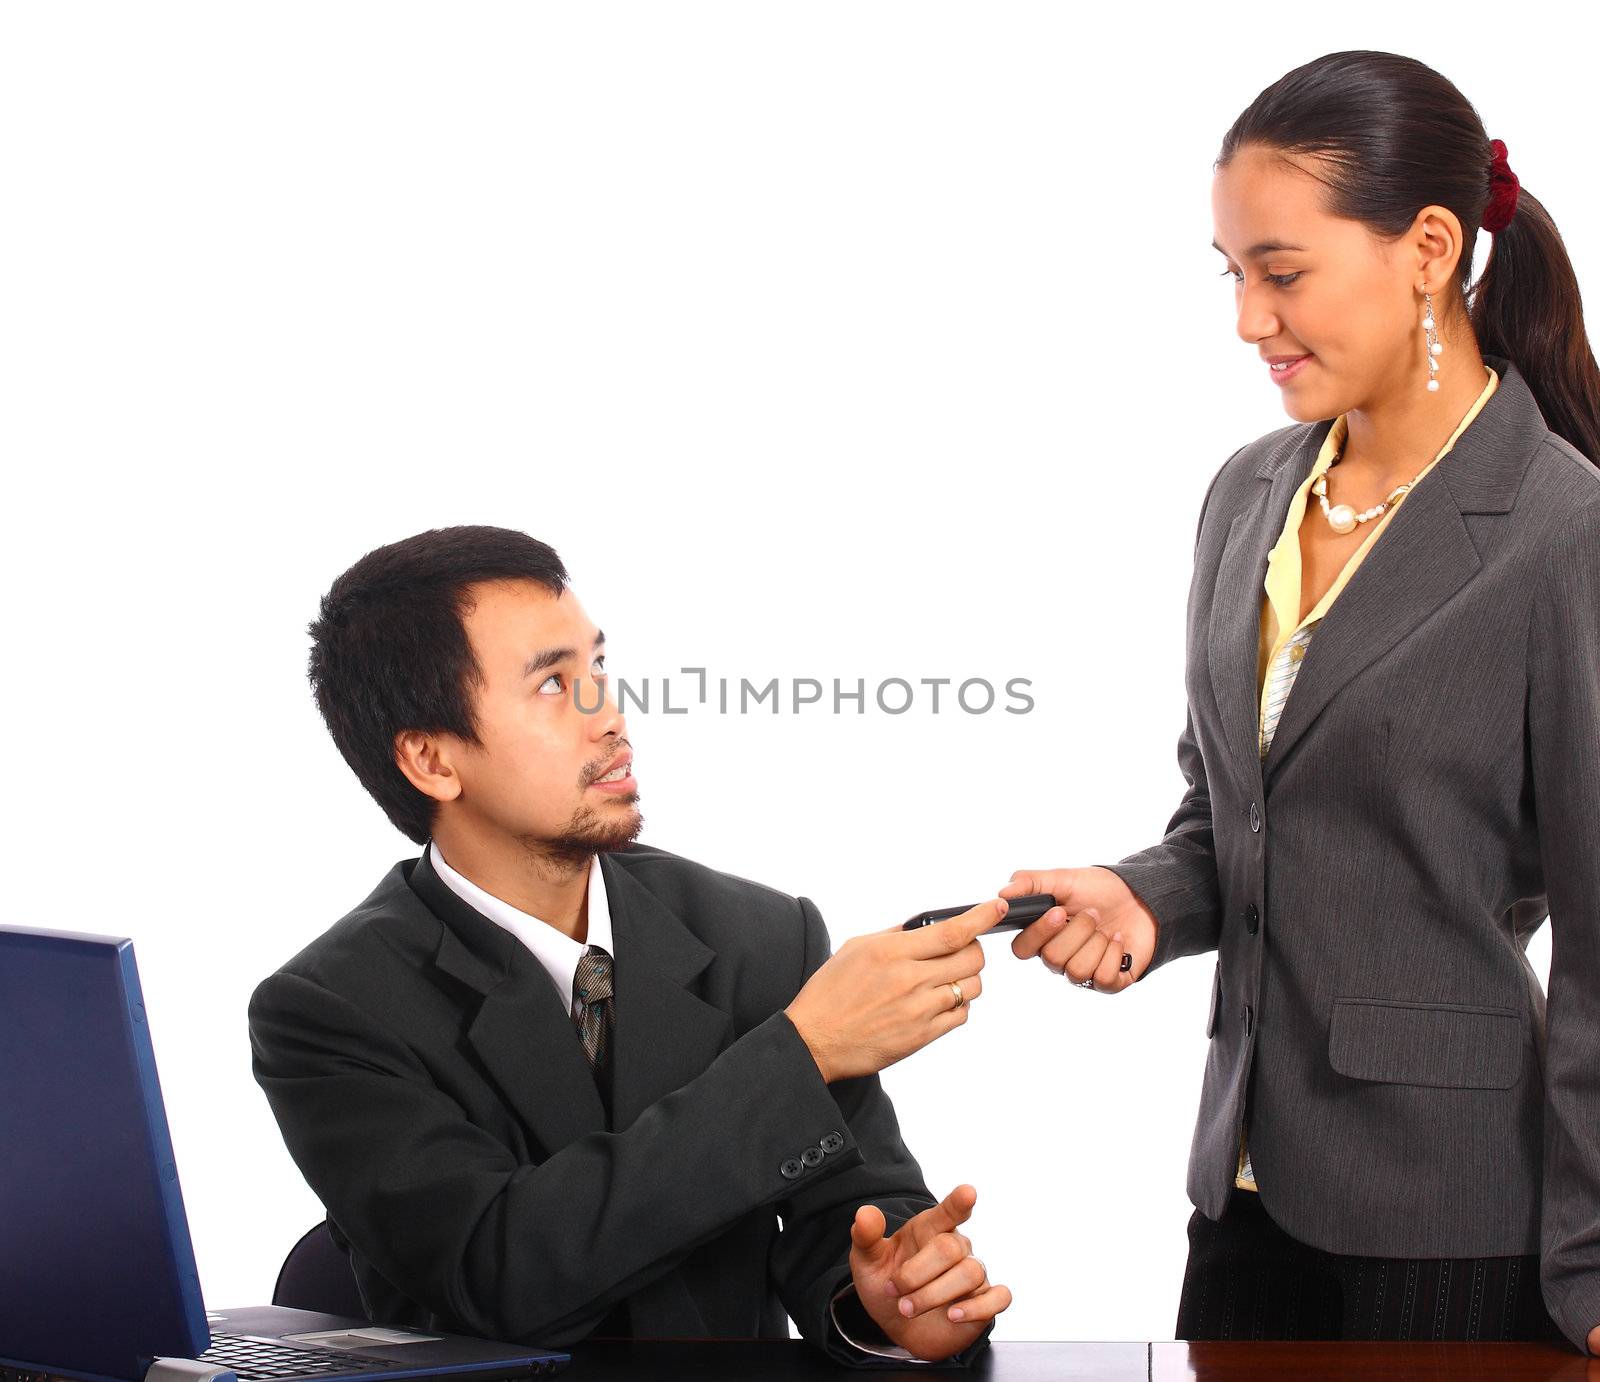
x=1434, y=348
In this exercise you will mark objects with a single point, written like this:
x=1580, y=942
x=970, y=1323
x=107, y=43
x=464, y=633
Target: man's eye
x=600, y=665
x=554, y=679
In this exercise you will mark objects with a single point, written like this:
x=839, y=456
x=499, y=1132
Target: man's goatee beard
x=586, y=835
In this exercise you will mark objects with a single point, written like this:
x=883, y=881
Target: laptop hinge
x=187, y=1370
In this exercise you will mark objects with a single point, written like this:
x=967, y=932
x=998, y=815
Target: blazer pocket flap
x=1440, y=1045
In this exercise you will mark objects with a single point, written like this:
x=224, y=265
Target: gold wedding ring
x=960, y=997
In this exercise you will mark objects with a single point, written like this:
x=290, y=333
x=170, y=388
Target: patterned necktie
x=591, y=995
x=1280, y=681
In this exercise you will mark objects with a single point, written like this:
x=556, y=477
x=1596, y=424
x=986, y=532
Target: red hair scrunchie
x=1503, y=186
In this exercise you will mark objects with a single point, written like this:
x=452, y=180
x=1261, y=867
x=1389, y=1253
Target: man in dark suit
x=550, y=1084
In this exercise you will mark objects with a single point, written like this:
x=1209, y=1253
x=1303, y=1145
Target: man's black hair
x=389, y=650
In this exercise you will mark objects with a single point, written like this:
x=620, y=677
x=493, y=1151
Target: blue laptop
x=97, y=1271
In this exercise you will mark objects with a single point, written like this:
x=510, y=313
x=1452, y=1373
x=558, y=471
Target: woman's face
x=1311, y=284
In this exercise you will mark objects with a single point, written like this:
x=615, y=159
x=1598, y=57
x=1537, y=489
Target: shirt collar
x=556, y=951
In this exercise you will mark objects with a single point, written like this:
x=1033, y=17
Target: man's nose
x=608, y=717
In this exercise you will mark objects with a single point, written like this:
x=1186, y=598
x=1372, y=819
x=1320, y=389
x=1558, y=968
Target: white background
x=827, y=340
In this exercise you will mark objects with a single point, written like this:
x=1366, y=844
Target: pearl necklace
x=1342, y=517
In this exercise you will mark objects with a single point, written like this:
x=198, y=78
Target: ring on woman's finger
x=961, y=998
x=1084, y=983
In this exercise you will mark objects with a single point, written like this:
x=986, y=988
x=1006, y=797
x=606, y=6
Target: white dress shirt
x=556, y=951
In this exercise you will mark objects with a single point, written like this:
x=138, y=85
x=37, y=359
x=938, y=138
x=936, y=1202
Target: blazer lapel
x=1234, y=625
x=522, y=1032
x=1422, y=558
x=664, y=1035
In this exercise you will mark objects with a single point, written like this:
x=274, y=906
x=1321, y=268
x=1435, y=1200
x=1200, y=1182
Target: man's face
x=535, y=774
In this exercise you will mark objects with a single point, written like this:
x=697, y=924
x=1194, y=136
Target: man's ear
x=426, y=761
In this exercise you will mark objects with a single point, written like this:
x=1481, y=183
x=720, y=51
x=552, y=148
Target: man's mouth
x=620, y=771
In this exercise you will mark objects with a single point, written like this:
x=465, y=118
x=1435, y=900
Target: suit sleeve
x=539, y=1252
x=1177, y=879
x=1564, y=742
x=810, y=1262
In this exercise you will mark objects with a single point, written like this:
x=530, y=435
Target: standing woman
x=1392, y=749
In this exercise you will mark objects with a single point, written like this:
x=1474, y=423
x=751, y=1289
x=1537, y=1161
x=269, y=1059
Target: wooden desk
x=769, y=1360
x=1016, y=1361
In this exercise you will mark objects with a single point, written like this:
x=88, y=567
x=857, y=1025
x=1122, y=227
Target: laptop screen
x=97, y=1272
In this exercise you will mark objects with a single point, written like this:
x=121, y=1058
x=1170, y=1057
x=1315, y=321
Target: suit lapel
x=522, y=1032
x=664, y=1035
x=524, y=1035
x=1234, y=626
x=1422, y=558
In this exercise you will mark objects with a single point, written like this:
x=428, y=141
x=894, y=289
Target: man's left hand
x=922, y=1286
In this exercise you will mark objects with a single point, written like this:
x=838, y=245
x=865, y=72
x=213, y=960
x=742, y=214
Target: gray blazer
x=1432, y=793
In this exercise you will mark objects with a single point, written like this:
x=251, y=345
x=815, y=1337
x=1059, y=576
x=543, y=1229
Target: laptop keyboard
x=251, y=1359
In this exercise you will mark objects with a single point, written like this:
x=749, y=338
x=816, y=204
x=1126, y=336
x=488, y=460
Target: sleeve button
x=791, y=1168
x=812, y=1156
x=833, y=1142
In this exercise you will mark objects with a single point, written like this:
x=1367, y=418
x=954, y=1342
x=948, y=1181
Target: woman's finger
x=1029, y=941
x=1109, y=970
x=1082, y=965
x=1071, y=939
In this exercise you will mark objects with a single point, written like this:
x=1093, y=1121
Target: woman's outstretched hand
x=1098, y=923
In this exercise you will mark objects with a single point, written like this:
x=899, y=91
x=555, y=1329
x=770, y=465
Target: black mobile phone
x=1023, y=911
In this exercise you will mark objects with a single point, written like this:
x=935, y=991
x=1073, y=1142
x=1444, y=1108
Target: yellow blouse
x=1280, y=604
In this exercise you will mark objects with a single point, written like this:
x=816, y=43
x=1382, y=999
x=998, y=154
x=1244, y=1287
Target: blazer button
x=832, y=1143
x=1252, y=919
x=812, y=1156
x=1255, y=818
x=792, y=1168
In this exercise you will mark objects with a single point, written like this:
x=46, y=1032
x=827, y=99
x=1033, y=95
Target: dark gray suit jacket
x=1431, y=794
x=431, y=1087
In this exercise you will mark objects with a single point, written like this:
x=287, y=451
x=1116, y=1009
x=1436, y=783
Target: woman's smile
x=1284, y=367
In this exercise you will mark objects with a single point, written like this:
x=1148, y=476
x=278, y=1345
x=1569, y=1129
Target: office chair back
x=317, y=1275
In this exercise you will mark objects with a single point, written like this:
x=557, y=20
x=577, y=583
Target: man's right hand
x=881, y=996
x=1099, y=919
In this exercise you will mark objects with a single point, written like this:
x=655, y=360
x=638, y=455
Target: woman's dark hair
x=1392, y=136
x=389, y=650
